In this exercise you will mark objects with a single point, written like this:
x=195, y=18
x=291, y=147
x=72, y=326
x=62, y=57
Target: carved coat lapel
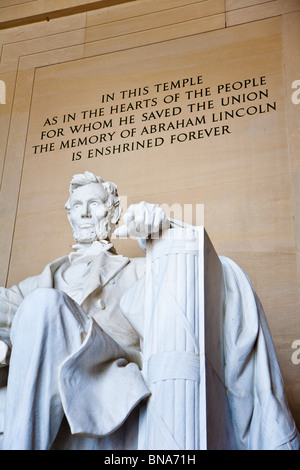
x=102, y=269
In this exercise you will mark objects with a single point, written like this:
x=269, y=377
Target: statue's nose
x=85, y=212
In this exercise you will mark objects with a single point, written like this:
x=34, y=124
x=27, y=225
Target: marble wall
x=187, y=103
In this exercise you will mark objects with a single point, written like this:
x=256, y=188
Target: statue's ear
x=116, y=213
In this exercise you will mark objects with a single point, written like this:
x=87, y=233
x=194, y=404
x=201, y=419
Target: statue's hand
x=143, y=220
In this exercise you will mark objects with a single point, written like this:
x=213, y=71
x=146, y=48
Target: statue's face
x=88, y=215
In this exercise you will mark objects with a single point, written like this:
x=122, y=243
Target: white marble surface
x=183, y=362
x=76, y=332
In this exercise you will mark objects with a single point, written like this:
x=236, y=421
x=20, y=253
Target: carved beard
x=100, y=231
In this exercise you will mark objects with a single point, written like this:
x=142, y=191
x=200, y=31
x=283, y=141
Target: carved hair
x=87, y=177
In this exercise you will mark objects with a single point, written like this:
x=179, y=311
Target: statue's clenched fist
x=143, y=220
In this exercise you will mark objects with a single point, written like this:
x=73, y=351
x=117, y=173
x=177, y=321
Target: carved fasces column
x=182, y=351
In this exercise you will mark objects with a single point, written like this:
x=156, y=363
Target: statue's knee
x=41, y=302
x=42, y=296
x=46, y=308
x=36, y=312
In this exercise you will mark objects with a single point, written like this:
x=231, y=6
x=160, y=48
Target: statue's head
x=93, y=208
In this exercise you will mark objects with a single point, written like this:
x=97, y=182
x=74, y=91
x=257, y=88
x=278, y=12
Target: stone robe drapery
x=108, y=277
x=260, y=414
x=249, y=369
